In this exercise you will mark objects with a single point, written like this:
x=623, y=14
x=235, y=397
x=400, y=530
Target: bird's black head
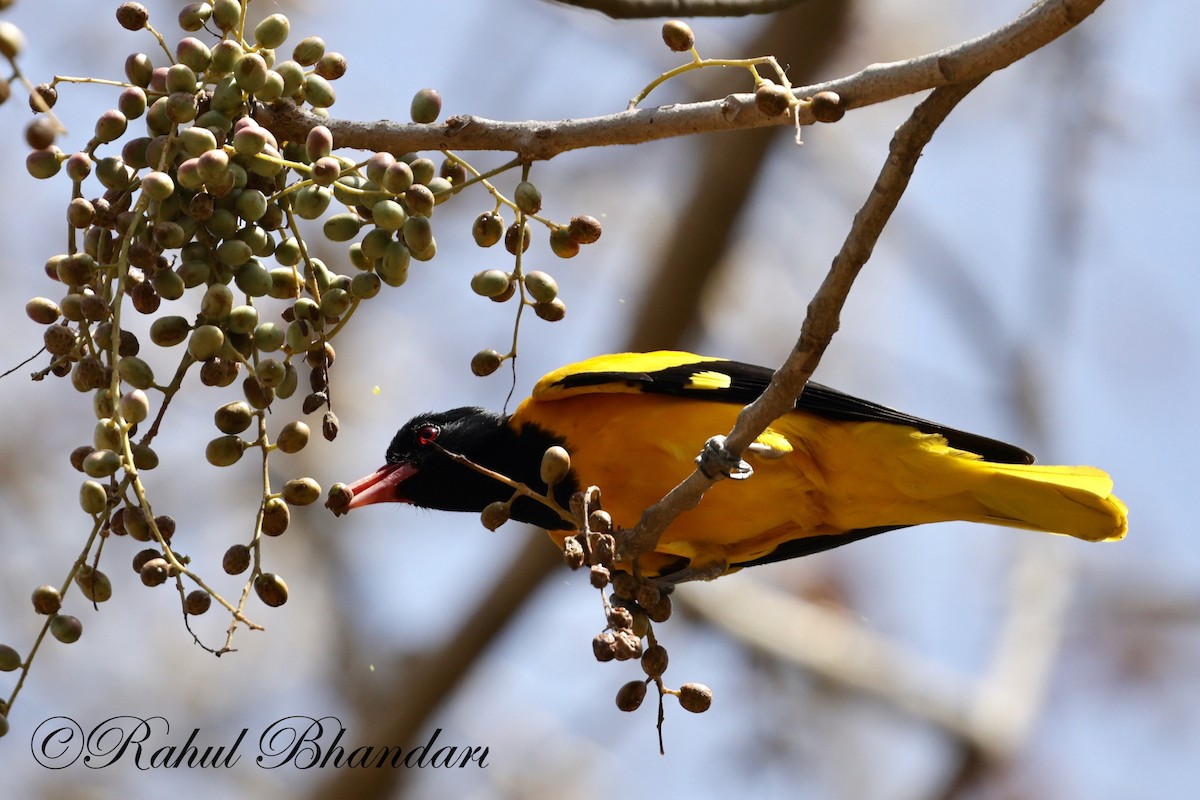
x=420, y=471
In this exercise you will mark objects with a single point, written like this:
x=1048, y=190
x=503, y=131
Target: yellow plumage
x=824, y=476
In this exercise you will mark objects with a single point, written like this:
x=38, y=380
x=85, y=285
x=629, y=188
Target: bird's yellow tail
x=1076, y=501
x=885, y=475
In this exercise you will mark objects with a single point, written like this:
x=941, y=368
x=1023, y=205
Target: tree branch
x=536, y=140
x=823, y=313
x=642, y=9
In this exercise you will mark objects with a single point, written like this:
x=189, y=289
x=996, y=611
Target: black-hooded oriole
x=834, y=470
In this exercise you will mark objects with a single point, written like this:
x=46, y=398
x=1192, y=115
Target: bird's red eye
x=427, y=433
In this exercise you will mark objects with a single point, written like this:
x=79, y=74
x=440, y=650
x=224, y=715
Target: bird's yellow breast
x=636, y=448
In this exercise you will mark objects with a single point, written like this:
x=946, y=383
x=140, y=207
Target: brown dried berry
x=236, y=559
x=827, y=107
x=197, y=602
x=271, y=589
x=654, y=660
x=604, y=646
x=132, y=16
x=584, y=229
x=155, y=572
x=695, y=697
x=631, y=695
x=573, y=553
x=771, y=98
x=599, y=576
x=678, y=36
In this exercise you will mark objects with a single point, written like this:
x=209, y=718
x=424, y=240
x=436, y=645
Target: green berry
x=318, y=92
x=301, y=491
x=93, y=497
x=205, y=342
x=490, y=282
x=309, y=50
x=233, y=418
x=541, y=287
x=224, y=451
x=10, y=659
x=272, y=31
x=388, y=215
x=528, y=197
x=101, y=463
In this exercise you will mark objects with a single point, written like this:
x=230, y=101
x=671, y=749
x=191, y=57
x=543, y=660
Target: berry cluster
x=180, y=200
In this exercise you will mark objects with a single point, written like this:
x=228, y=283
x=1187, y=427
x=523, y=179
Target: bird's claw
x=715, y=460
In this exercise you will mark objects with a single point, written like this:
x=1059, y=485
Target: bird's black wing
x=687, y=375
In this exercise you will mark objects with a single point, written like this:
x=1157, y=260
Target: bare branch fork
x=824, y=311
x=536, y=140
x=822, y=320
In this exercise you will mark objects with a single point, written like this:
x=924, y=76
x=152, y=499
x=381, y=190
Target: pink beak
x=380, y=486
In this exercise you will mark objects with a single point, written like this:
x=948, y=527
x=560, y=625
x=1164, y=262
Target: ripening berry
x=65, y=628
x=301, y=491
x=331, y=66
x=485, y=362
x=193, y=16
x=272, y=31
x=631, y=695
x=293, y=437
x=93, y=584
x=135, y=406
x=678, y=36
x=488, y=229
x=276, y=517
x=418, y=234
x=318, y=92
x=397, y=177
x=561, y=243
x=487, y=283
x=101, y=463
x=426, y=106
x=10, y=659
x=93, y=497
x=309, y=51
x=224, y=451
x=552, y=311
x=205, y=341
x=541, y=287
x=419, y=199
x=584, y=229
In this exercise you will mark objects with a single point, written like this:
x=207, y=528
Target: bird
x=834, y=469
